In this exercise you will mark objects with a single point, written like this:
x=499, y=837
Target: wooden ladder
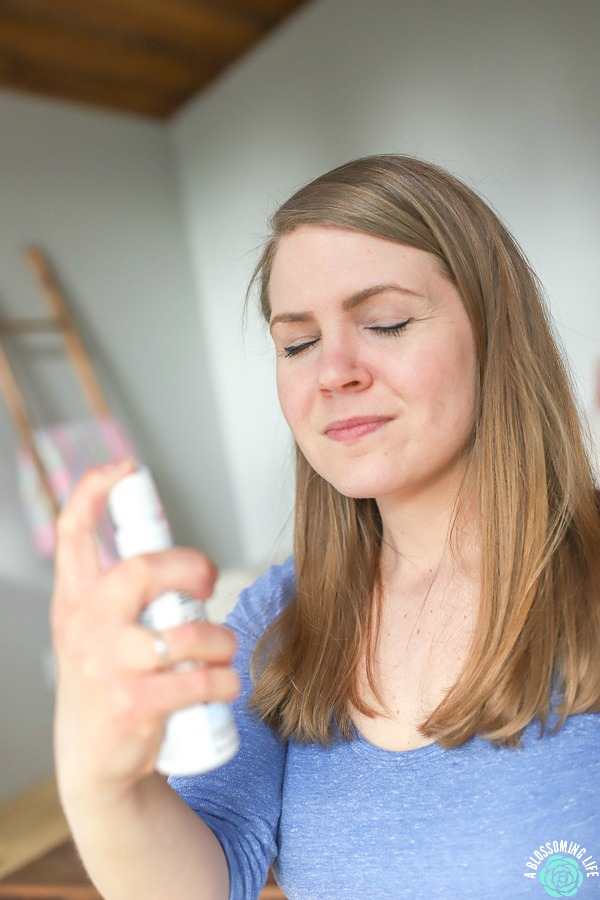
x=59, y=321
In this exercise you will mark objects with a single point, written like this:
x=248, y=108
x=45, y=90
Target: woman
x=421, y=719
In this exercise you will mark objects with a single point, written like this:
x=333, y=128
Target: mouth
x=352, y=429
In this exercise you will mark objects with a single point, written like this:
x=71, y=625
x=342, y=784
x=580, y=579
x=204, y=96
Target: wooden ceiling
x=135, y=56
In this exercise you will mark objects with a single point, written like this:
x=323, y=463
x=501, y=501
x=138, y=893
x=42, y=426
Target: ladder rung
x=30, y=326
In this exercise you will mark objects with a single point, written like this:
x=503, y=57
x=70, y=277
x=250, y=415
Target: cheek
x=446, y=384
x=293, y=398
x=461, y=391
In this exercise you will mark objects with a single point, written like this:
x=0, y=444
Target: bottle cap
x=138, y=516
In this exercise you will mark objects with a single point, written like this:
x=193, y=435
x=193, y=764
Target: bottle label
x=172, y=609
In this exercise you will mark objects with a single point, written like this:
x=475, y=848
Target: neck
x=429, y=538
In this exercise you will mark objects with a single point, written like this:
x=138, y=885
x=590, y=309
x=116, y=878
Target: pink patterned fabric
x=66, y=451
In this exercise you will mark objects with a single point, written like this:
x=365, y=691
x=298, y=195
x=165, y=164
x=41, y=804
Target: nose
x=341, y=367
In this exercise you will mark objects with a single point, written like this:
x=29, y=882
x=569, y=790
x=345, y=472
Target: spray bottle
x=204, y=736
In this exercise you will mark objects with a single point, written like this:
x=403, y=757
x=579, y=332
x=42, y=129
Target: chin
x=357, y=489
x=359, y=479
x=355, y=495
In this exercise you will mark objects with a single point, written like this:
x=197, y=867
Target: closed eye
x=296, y=349
x=396, y=328
x=391, y=330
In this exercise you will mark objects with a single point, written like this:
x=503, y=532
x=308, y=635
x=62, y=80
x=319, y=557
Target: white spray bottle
x=204, y=736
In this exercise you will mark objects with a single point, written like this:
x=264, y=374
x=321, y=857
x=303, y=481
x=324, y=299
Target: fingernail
x=116, y=465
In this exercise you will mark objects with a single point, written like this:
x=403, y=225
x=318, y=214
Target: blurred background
x=144, y=146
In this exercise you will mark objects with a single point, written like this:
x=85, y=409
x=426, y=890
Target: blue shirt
x=357, y=822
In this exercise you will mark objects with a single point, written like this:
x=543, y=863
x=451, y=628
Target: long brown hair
x=538, y=623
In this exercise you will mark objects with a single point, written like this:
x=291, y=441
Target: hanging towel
x=66, y=451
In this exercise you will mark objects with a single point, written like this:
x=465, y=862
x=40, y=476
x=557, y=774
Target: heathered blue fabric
x=354, y=821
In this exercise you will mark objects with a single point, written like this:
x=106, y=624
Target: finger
x=199, y=642
x=77, y=562
x=133, y=583
x=168, y=691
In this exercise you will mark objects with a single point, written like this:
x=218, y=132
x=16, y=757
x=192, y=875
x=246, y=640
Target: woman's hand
x=113, y=690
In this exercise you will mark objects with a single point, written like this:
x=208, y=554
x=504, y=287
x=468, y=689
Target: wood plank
x=17, y=407
x=55, y=84
x=31, y=824
x=106, y=91
x=74, y=347
x=173, y=26
x=270, y=12
x=58, y=874
x=208, y=21
x=45, y=45
x=137, y=56
x=48, y=892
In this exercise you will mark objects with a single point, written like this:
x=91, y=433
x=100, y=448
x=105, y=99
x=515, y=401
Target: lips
x=354, y=428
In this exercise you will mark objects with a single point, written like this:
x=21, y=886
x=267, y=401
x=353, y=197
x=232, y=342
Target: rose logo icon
x=561, y=876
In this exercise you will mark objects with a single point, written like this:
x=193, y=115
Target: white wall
x=98, y=192
x=505, y=94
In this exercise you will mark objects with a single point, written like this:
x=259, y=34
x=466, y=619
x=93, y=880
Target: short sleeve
x=241, y=801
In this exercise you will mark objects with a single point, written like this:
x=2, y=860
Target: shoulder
x=260, y=603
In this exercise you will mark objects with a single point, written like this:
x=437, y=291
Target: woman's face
x=376, y=363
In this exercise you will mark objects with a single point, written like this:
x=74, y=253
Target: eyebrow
x=350, y=302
